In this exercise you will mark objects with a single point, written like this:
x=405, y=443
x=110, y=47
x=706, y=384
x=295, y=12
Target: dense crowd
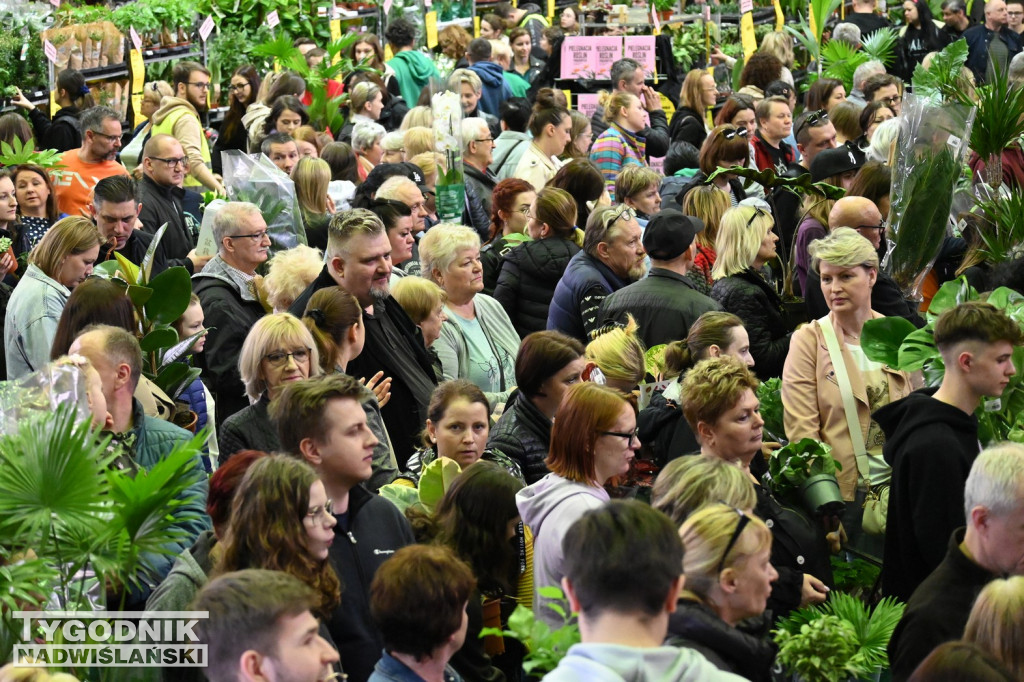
x=597, y=259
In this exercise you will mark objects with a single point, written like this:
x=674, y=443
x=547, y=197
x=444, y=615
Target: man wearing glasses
x=477, y=154
x=178, y=116
x=82, y=168
x=160, y=194
x=885, y=87
x=227, y=290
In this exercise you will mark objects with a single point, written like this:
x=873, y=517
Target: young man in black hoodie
x=931, y=441
x=322, y=421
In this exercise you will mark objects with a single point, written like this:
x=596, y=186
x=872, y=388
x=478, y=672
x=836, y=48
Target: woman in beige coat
x=811, y=394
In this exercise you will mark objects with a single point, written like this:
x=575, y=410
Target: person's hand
x=768, y=447
x=814, y=591
x=7, y=263
x=380, y=386
x=652, y=100
x=22, y=102
x=197, y=261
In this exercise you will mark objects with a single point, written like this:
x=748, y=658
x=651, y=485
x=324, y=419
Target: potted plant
x=769, y=393
x=805, y=470
x=664, y=8
x=545, y=646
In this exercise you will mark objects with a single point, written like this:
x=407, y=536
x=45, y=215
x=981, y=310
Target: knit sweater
x=615, y=149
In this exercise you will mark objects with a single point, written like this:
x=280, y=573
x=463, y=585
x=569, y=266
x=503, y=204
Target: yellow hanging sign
x=430, y=22
x=388, y=53
x=551, y=10
x=568, y=98
x=780, y=18
x=747, y=35
x=138, y=84
x=476, y=26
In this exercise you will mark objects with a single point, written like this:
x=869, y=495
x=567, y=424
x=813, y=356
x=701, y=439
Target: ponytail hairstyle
x=329, y=315
x=614, y=103
x=503, y=199
x=557, y=208
x=73, y=82
x=713, y=328
x=546, y=111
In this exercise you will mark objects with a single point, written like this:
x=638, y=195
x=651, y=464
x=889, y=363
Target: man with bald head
x=861, y=214
x=991, y=46
x=160, y=191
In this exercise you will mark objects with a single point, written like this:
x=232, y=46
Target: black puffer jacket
x=695, y=626
x=62, y=133
x=524, y=434
x=664, y=430
x=687, y=125
x=748, y=296
x=492, y=255
x=527, y=281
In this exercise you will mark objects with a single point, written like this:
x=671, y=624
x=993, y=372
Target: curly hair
x=267, y=528
x=761, y=69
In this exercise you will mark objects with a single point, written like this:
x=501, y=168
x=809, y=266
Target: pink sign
x=608, y=50
x=578, y=57
x=586, y=104
x=641, y=48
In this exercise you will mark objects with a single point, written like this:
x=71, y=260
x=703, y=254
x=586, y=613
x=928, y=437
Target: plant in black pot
x=805, y=470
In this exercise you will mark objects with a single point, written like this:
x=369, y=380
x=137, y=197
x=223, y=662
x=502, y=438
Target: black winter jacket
x=491, y=258
x=247, y=429
x=695, y=626
x=524, y=434
x=483, y=183
x=229, y=317
x=656, y=136
x=748, y=296
x=687, y=125
x=665, y=305
x=135, y=249
x=527, y=281
x=365, y=537
x=930, y=446
x=161, y=205
x=664, y=430
x=64, y=132
x=735, y=186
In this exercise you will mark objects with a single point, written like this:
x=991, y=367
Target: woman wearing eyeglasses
x=152, y=94
x=245, y=86
x=728, y=578
x=278, y=349
x=726, y=146
x=511, y=200
x=745, y=243
x=593, y=439
x=721, y=406
x=812, y=389
x=281, y=520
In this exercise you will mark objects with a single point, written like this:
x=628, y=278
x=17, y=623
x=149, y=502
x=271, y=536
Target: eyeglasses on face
x=322, y=512
x=201, y=86
x=280, y=358
x=171, y=162
x=489, y=140
x=112, y=138
x=880, y=226
x=238, y=87
x=631, y=435
x=740, y=525
x=893, y=99
x=812, y=120
x=257, y=237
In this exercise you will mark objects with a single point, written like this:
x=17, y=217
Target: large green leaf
x=139, y=295
x=164, y=337
x=918, y=348
x=172, y=291
x=951, y=294
x=129, y=270
x=147, y=260
x=881, y=338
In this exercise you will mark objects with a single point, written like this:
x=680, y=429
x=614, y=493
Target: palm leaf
x=1000, y=118
x=874, y=641
x=1005, y=240
x=941, y=80
x=839, y=60
x=881, y=45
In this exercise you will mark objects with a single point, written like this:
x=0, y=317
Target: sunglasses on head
x=757, y=212
x=812, y=120
x=729, y=134
x=740, y=525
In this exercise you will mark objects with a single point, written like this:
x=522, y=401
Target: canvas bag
x=876, y=506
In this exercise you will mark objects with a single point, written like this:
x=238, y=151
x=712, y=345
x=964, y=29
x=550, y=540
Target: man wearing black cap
x=666, y=302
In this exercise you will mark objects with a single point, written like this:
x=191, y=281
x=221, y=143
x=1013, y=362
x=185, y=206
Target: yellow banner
x=431, y=25
x=138, y=84
x=747, y=35
x=568, y=98
x=780, y=18
x=388, y=53
x=551, y=10
x=476, y=26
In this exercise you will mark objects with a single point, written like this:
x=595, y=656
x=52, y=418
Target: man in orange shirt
x=90, y=163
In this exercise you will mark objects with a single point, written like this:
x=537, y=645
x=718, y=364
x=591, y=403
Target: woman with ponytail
x=661, y=424
x=64, y=132
x=510, y=211
x=620, y=144
x=551, y=128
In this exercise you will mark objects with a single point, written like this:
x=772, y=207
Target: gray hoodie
x=618, y=663
x=549, y=507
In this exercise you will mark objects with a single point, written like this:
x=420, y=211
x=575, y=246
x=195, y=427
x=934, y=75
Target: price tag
x=272, y=19
x=50, y=51
x=747, y=37
x=206, y=29
x=707, y=13
x=24, y=51
x=138, y=72
x=655, y=21
x=431, y=26
x=746, y=6
x=387, y=7
x=136, y=39
x=428, y=3
x=335, y=12
x=335, y=32
x=321, y=11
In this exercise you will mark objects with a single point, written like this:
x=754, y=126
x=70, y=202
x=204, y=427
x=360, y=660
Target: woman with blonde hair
x=290, y=272
x=581, y=136
x=745, y=243
x=418, y=117
x=620, y=144
x=698, y=94
x=62, y=260
x=708, y=203
x=728, y=578
x=312, y=177
x=996, y=623
x=780, y=45
x=615, y=357
x=478, y=341
x=278, y=349
x=152, y=94
x=692, y=482
x=826, y=354
x=418, y=140
x=424, y=302
x=531, y=271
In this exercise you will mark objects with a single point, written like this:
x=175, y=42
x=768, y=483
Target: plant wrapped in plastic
x=260, y=182
x=451, y=184
x=930, y=153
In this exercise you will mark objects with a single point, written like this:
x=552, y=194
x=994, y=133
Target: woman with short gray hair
x=366, y=137
x=478, y=341
x=826, y=362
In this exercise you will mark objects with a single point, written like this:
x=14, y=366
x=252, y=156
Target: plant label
x=24, y=51
x=387, y=6
x=50, y=51
x=136, y=39
x=746, y=6
x=55, y=3
x=321, y=11
x=272, y=19
x=206, y=29
x=655, y=21
x=707, y=12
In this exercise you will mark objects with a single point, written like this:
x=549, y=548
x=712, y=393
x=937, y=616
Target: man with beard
x=82, y=168
x=178, y=116
x=613, y=256
x=359, y=261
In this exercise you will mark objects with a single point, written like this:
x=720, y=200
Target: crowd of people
x=595, y=256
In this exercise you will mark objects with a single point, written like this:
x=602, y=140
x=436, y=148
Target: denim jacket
x=31, y=321
x=390, y=669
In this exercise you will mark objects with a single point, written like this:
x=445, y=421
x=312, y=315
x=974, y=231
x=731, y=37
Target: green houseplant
x=769, y=393
x=437, y=477
x=805, y=470
x=545, y=646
